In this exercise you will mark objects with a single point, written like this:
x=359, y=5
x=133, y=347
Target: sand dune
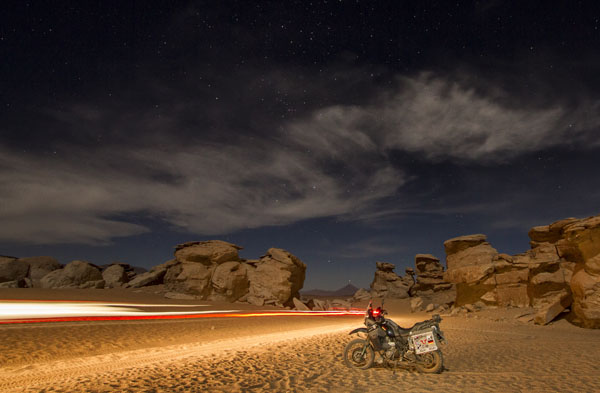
x=485, y=353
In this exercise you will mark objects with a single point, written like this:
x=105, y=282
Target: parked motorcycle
x=417, y=346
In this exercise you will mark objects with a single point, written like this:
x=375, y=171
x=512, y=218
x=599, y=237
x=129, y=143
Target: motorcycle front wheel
x=359, y=354
x=430, y=362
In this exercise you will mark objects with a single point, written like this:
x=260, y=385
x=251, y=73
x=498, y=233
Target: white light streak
x=26, y=310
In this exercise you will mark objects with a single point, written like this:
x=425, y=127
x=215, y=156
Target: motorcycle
x=417, y=346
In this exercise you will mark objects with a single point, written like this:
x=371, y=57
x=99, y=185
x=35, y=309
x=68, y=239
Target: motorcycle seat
x=405, y=330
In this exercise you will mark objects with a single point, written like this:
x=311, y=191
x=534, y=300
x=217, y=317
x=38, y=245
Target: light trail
x=19, y=312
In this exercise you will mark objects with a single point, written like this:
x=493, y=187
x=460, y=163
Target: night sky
x=346, y=132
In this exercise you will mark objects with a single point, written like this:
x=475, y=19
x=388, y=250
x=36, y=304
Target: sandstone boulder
x=584, y=236
x=430, y=275
x=471, y=265
x=39, y=267
x=278, y=275
x=471, y=262
x=115, y=276
x=73, y=275
x=552, y=309
x=155, y=276
x=11, y=269
x=543, y=234
x=298, y=305
x=361, y=294
x=191, y=278
x=457, y=244
x=229, y=281
x=319, y=305
x=385, y=266
x=386, y=283
x=428, y=266
x=586, y=299
x=207, y=252
x=130, y=271
x=546, y=281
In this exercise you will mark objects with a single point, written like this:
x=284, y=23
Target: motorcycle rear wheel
x=430, y=362
x=359, y=354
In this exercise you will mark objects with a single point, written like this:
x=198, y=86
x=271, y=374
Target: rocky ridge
x=560, y=273
x=561, y=270
x=207, y=270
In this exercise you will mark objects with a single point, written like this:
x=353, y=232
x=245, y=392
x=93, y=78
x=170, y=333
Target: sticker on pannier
x=424, y=342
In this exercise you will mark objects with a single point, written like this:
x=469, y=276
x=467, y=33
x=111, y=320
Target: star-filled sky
x=346, y=132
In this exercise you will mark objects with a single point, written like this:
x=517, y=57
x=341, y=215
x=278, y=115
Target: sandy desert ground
x=489, y=351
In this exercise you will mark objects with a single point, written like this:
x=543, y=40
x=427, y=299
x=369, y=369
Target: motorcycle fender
x=359, y=330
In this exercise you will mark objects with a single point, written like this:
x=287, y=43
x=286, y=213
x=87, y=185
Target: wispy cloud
x=201, y=189
x=333, y=161
x=444, y=119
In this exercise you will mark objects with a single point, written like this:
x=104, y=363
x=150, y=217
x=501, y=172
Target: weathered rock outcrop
x=583, y=240
x=229, y=281
x=115, y=276
x=277, y=276
x=470, y=263
x=74, y=275
x=387, y=284
x=213, y=270
x=534, y=278
x=299, y=305
x=12, y=270
x=25, y=272
x=153, y=277
x=430, y=275
x=361, y=294
x=212, y=252
x=561, y=270
x=39, y=267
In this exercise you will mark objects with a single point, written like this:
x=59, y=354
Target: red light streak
x=185, y=316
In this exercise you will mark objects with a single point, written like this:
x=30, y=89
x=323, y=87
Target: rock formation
x=39, y=267
x=277, y=276
x=470, y=262
x=581, y=245
x=13, y=272
x=76, y=274
x=115, y=275
x=534, y=278
x=386, y=283
x=25, y=272
x=430, y=275
x=361, y=294
x=562, y=269
x=213, y=270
